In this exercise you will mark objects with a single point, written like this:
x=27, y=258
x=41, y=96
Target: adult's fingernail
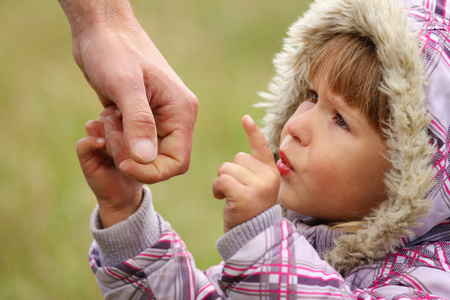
x=145, y=149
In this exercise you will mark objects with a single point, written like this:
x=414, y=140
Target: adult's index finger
x=258, y=143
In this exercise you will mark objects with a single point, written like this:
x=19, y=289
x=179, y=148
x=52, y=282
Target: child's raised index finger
x=257, y=141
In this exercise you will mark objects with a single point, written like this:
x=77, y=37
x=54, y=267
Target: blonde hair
x=352, y=68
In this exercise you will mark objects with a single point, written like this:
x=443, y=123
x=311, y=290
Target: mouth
x=283, y=165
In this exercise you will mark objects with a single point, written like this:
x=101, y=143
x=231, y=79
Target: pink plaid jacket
x=279, y=263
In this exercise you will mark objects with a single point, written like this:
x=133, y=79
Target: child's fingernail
x=145, y=149
x=222, y=167
x=247, y=119
x=100, y=140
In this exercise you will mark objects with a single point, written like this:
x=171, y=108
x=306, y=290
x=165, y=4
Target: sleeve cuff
x=127, y=238
x=236, y=238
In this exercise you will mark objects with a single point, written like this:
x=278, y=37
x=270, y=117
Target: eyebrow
x=332, y=97
x=336, y=101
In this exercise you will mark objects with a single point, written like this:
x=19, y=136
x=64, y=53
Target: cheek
x=328, y=174
x=322, y=167
x=348, y=179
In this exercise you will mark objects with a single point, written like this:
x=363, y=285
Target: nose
x=300, y=127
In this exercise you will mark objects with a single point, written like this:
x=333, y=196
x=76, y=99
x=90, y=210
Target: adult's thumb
x=140, y=132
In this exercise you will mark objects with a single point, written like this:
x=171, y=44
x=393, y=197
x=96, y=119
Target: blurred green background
x=221, y=49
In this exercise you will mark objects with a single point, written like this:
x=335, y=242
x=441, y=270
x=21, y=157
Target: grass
x=223, y=52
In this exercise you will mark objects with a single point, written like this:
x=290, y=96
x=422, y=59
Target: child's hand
x=250, y=183
x=118, y=196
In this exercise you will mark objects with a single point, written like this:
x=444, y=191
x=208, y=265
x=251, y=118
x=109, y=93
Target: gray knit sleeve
x=236, y=238
x=127, y=238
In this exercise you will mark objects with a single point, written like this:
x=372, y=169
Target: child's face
x=331, y=160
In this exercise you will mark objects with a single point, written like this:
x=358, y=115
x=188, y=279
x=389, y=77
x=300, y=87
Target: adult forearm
x=85, y=13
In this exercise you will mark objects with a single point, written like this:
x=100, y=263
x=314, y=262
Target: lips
x=283, y=165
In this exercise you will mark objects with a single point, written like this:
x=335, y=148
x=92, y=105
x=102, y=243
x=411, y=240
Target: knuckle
x=79, y=145
x=193, y=101
x=142, y=116
x=218, y=188
x=225, y=180
x=90, y=124
x=182, y=167
x=240, y=157
x=192, y=98
x=181, y=163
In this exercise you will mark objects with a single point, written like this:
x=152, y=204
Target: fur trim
x=385, y=23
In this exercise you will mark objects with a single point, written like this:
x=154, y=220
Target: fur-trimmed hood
x=416, y=79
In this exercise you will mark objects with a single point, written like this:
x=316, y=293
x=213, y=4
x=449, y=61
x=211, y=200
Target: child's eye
x=313, y=97
x=340, y=121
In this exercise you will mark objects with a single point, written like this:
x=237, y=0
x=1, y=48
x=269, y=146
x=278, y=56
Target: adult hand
x=125, y=68
x=250, y=183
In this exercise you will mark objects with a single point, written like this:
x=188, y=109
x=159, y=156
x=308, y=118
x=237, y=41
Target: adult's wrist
x=83, y=14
